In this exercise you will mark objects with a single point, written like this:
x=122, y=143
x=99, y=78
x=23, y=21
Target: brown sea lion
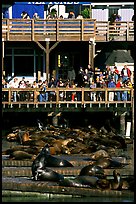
x=21, y=155
x=12, y=136
x=60, y=145
x=100, y=153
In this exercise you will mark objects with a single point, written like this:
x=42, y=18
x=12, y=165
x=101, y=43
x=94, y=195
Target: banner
x=54, y=3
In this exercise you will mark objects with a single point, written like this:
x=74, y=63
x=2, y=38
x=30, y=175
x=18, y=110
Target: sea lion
x=21, y=155
x=80, y=181
x=40, y=125
x=103, y=162
x=46, y=174
x=103, y=184
x=116, y=183
x=92, y=170
x=12, y=137
x=116, y=164
x=53, y=161
x=45, y=159
x=100, y=153
x=27, y=149
x=88, y=180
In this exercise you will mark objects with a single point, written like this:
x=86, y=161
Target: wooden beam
x=41, y=46
x=53, y=46
x=47, y=60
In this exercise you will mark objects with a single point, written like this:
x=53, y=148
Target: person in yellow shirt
x=129, y=85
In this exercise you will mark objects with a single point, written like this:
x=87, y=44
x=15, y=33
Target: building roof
x=109, y=58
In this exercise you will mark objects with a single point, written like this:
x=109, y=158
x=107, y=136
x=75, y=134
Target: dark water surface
x=65, y=199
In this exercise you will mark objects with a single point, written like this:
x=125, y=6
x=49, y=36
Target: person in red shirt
x=126, y=73
x=116, y=74
x=119, y=85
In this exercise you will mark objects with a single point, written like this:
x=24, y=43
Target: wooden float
x=27, y=185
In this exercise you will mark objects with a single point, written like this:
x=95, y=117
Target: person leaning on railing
x=111, y=84
x=15, y=84
x=119, y=85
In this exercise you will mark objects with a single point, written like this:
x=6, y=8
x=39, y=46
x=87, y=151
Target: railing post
x=57, y=30
x=83, y=95
x=107, y=31
x=127, y=32
x=94, y=29
x=35, y=96
x=132, y=105
x=7, y=22
x=57, y=95
x=106, y=96
x=82, y=29
x=9, y=96
x=32, y=29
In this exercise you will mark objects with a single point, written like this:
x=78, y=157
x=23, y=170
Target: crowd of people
x=110, y=78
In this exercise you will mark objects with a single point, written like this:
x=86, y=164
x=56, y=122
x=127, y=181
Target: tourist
x=119, y=85
x=14, y=84
x=36, y=16
x=129, y=85
x=116, y=74
x=92, y=93
x=126, y=73
x=111, y=84
x=79, y=16
x=22, y=85
x=71, y=15
x=25, y=15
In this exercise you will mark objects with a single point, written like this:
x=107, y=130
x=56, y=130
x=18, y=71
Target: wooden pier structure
x=54, y=31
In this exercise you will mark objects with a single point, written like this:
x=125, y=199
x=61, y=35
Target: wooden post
x=13, y=68
x=32, y=29
x=122, y=123
x=55, y=121
x=132, y=116
x=92, y=52
x=47, y=59
x=39, y=66
x=3, y=72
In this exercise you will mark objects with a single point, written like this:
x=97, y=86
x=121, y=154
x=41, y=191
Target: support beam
x=47, y=50
x=47, y=60
x=122, y=123
x=55, y=121
x=3, y=72
x=92, y=52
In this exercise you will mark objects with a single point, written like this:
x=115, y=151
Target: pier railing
x=66, y=30
x=67, y=96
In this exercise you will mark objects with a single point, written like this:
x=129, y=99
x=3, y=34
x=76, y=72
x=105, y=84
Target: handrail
x=82, y=96
x=84, y=29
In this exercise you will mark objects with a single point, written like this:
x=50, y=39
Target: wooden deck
x=66, y=30
x=82, y=100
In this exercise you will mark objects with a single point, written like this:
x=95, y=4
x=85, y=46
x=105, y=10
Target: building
x=68, y=54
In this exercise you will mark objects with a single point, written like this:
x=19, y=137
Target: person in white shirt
x=14, y=84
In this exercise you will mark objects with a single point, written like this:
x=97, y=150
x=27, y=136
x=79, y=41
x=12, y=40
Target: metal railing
x=56, y=29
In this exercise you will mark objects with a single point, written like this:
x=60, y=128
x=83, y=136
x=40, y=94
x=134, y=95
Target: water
x=65, y=199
